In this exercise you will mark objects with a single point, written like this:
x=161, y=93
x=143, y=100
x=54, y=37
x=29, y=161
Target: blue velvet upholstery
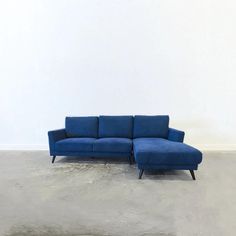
x=82, y=127
x=53, y=137
x=115, y=126
x=176, y=135
x=166, y=167
x=94, y=154
x=113, y=145
x=75, y=145
x=149, y=138
x=151, y=126
x=158, y=151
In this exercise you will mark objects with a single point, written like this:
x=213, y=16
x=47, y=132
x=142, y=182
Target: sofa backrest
x=115, y=126
x=151, y=126
x=82, y=126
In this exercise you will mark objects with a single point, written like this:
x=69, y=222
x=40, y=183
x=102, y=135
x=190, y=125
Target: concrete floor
x=90, y=197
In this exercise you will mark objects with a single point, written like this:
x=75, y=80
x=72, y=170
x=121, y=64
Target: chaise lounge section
x=161, y=154
x=146, y=138
x=158, y=147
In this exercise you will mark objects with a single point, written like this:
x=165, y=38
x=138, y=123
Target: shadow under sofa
x=146, y=139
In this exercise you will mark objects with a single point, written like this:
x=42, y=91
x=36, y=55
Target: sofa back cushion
x=151, y=126
x=115, y=126
x=82, y=126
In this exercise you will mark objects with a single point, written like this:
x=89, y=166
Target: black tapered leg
x=130, y=160
x=140, y=173
x=53, y=159
x=192, y=174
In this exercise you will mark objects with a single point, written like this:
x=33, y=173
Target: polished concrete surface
x=90, y=197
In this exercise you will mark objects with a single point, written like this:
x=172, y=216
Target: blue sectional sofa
x=147, y=139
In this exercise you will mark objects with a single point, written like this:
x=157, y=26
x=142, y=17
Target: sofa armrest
x=53, y=137
x=175, y=135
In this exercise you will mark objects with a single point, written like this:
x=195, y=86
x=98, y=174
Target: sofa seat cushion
x=112, y=145
x=158, y=151
x=75, y=145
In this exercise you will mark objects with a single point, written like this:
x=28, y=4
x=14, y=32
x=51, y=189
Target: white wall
x=90, y=57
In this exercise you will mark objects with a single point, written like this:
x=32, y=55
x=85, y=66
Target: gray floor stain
x=44, y=231
x=158, y=234
x=52, y=231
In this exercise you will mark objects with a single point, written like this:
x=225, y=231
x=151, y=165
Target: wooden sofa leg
x=140, y=173
x=53, y=159
x=192, y=174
